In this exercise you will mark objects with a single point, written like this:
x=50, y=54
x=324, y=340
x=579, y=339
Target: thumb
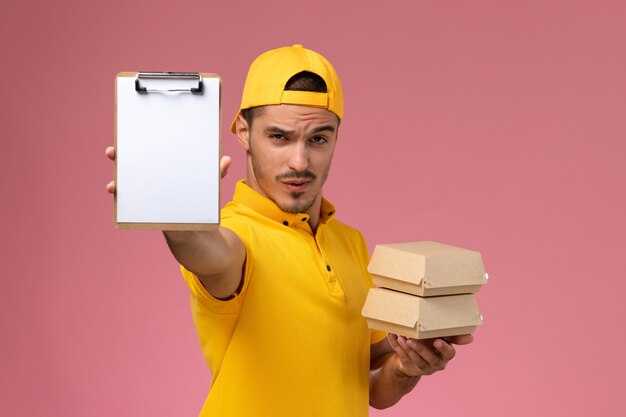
x=225, y=163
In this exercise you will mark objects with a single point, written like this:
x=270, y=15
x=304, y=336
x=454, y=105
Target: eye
x=319, y=139
x=278, y=137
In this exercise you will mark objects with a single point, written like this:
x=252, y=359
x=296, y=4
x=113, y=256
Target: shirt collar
x=245, y=195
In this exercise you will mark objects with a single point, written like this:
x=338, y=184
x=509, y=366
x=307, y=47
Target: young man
x=277, y=290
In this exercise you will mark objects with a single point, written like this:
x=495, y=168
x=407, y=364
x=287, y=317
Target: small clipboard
x=167, y=140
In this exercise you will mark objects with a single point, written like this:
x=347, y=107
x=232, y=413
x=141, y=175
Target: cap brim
x=233, y=126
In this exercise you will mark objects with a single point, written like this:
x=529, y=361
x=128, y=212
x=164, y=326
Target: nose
x=299, y=157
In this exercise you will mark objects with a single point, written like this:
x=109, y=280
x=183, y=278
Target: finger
x=111, y=187
x=405, y=346
x=464, y=339
x=446, y=350
x=425, y=352
x=410, y=358
x=225, y=163
x=110, y=153
x=393, y=340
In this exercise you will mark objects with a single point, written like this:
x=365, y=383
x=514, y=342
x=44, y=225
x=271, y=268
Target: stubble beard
x=297, y=205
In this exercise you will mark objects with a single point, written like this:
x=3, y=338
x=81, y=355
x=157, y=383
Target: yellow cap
x=270, y=72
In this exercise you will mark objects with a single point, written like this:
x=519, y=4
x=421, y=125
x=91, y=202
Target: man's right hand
x=110, y=153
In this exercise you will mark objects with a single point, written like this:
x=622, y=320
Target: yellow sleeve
x=202, y=297
x=376, y=336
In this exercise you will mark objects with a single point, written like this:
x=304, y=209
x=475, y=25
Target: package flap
x=386, y=305
x=428, y=264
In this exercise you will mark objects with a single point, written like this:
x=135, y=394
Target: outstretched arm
x=216, y=257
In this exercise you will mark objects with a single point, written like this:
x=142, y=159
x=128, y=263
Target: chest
x=299, y=279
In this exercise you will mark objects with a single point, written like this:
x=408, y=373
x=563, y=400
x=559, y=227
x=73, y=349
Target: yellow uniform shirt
x=293, y=342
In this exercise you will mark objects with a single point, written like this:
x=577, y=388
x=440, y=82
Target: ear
x=243, y=132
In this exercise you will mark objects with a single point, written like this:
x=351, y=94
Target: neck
x=314, y=213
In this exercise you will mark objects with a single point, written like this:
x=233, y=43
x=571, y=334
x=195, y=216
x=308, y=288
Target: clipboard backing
x=167, y=141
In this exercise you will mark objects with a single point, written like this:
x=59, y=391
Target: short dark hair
x=302, y=81
x=306, y=81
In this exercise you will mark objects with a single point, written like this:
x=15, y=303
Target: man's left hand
x=414, y=358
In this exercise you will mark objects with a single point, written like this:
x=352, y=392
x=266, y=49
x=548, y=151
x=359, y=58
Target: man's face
x=290, y=149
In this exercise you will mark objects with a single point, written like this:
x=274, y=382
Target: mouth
x=296, y=185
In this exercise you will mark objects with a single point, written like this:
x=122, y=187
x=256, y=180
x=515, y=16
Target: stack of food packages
x=424, y=290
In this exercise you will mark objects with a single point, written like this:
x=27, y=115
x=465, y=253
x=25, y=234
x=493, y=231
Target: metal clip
x=169, y=75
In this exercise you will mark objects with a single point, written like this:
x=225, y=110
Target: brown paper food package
x=421, y=317
x=427, y=268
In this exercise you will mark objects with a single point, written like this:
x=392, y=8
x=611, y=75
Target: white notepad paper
x=167, y=153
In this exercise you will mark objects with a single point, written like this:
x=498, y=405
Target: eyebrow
x=282, y=131
x=276, y=129
x=324, y=128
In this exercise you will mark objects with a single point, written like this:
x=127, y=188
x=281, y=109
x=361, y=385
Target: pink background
x=498, y=126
